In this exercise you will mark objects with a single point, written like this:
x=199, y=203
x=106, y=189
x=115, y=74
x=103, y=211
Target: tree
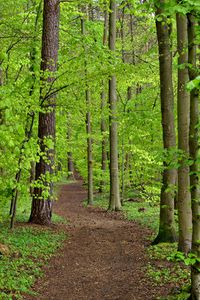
x=184, y=197
x=114, y=203
x=167, y=226
x=41, y=210
x=194, y=154
x=103, y=105
x=70, y=163
x=88, y=123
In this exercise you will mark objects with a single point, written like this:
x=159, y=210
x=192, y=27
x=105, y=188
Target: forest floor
x=103, y=259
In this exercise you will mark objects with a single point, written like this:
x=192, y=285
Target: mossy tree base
x=165, y=236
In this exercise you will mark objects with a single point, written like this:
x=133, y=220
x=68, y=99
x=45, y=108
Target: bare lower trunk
x=104, y=142
x=70, y=164
x=103, y=105
x=89, y=154
x=194, y=168
x=88, y=126
x=167, y=225
x=184, y=197
x=114, y=203
x=41, y=210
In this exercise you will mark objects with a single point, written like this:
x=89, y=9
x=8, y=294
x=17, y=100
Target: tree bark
x=88, y=127
x=70, y=163
x=184, y=197
x=167, y=225
x=114, y=203
x=103, y=105
x=194, y=168
x=41, y=210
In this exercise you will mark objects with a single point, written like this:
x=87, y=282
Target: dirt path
x=104, y=258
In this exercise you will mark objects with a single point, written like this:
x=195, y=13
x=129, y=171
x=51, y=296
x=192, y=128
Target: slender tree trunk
x=184, y=197
x=88, y=127
x=194, y=168
x=114, y=203
x=124, y=111
x=28, y=127
x=70, y=164
x=127, y=165
x=32, y=178
x=41, y=210
x=167, y=225
x=103, y=105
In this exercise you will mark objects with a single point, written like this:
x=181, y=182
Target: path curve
x=104, y=258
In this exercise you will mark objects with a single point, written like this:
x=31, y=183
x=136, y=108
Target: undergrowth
x=28, y=248
x=164, y=269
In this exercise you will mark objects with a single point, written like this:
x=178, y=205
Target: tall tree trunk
x=194, y=168
x=167, y=225
x=89, y=150
x=124, y=110
x=70, y=163
x=103, y=105
x=184, y=197
x=88, y=127
x=114, y=203
x=41, y=210
x=127, y=164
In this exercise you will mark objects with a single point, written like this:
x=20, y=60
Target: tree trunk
x=41, y=210
x=184, y=197
x=103, y=105
x=70, y=164
x=114, y=203
x=167, y=225
x=88, y=127
x=194, y=169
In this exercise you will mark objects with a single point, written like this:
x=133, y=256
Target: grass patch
x=143, y=213
x=30, y=247
x=101, y=201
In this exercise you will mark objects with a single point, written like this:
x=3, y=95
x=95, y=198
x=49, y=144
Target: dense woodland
x=109, y=91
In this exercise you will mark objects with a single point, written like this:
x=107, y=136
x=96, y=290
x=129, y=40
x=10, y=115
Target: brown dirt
x=104, y=258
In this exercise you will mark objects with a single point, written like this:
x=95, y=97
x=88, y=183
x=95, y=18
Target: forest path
x=104, y=258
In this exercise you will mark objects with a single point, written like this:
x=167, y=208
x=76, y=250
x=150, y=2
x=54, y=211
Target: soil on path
x=104, y=258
